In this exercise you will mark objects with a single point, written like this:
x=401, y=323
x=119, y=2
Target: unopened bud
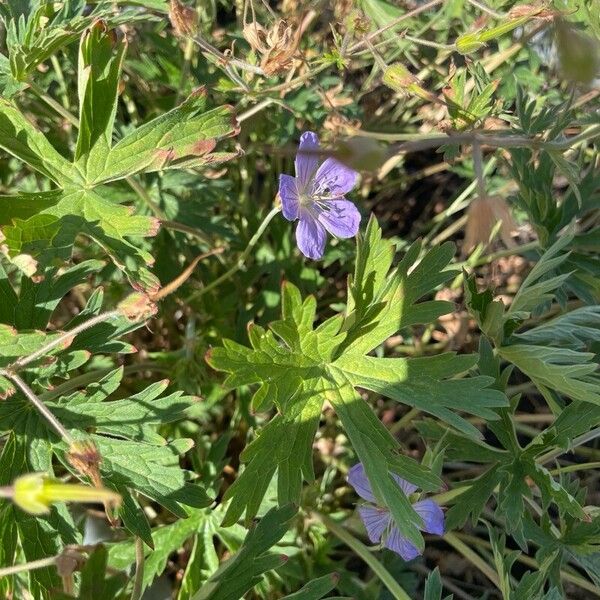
x=361, y=153
x=467, y=43
x=400, y=79
x=35, y=493
x=137, y=307
x=578, y=53
x=184, y=19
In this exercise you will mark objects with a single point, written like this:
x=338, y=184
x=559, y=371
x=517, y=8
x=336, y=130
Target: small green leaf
x=244, y=569
x=315, y=589
x=98, y=81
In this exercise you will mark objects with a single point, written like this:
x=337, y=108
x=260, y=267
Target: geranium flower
x=315, y=197
x=379, y=522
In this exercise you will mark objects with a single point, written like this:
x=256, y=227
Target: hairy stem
x=61, y=339
x=30, y=566
x=39, y=405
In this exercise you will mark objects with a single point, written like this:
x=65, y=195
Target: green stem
x=575, y=468
x=472, y=557
x=61, y=80
x=488, y=258
x=188, y=52
x=531, y=562
x=145, y=196
x=363, y=552
x=59, y=108
x=138, y=582
x=241, y=259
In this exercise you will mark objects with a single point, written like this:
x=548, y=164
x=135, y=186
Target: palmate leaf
x=135, y=458
x=298, y=367
x=575, y=330
x=40, y=227
x=149, y=467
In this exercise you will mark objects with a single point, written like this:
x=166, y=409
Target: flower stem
x=361, y=550
x=138, y=582
x=241, y=259
x=578, y=441
x=472, y=557
x=30, y=566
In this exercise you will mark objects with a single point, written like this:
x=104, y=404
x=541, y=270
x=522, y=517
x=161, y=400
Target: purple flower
x=316, y=198
x=378, y=521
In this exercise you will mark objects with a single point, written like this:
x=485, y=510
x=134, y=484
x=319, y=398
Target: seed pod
x=276, y=46
x=35, y=493
x=400, y=79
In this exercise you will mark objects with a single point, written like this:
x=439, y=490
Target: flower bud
x=467, y=43
x=35, y=493
x=578, y=53
x=360, y=153
x=484, y=216
x=400, y=79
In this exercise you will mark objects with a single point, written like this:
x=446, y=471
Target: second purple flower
x=378, y=520
x=315, y=197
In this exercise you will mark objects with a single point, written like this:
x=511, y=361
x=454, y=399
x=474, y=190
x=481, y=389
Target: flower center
x=305, y=199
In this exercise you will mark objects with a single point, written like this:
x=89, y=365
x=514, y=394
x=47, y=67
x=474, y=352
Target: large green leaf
x=42, y=227
x=297, y=367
